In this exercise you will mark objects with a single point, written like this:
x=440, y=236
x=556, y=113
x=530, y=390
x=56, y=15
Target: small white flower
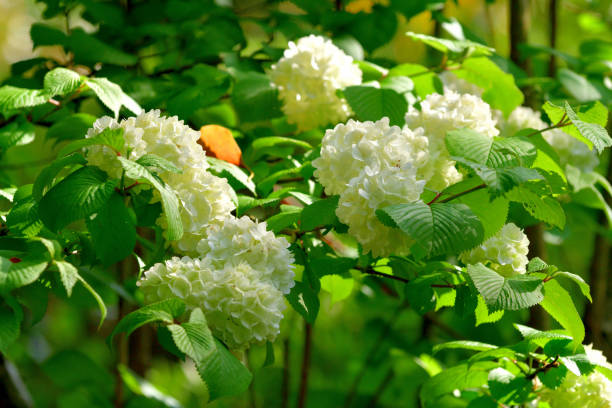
x=308, y=76
x=242, y=241
x=240, y=308
x=505, y=252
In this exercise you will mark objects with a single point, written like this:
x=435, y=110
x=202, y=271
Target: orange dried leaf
x=219, y=142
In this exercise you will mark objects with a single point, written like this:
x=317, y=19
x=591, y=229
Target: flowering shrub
x=415, y=201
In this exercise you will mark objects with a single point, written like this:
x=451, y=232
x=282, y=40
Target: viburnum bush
x=414, y=183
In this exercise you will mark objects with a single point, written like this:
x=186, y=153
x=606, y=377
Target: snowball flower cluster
x=242, y=241
x=239, y=308
x=308, y=76
x=147, y=133
x=505, y=252
x=372, y=165
x=238, y=281
x=205, y=199
x=438, y=115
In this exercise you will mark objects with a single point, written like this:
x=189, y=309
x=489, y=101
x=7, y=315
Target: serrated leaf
x=536, y=264
x=113, y=232
x=464, y=345
x=112, y=96
x=69, y=275
x=531, y=334
x=237, y=178
x=48, y=174
x=507, y=388
x=170, y=202
x=484, y=315
x=577, y=86
x=593, y=132
x=19, y=132
x=582, y=285
x=371, y=103
x=12, y=98
x=61, y=81
x=194, y=337
x=559, y=304
x=23, y=219
x=164, y=311
x=112, y=138
x=439, y=228
x=17, y=274
x=82, y=193
x=448, y=46
x=514, y=293
x=492, y=213
x=223, y=374
x=543, y=208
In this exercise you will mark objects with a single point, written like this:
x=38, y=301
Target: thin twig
x=454, y=196
x=286, y=374
x=303, y=390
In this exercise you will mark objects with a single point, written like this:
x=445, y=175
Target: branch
x=454, y=196
x=303, y=391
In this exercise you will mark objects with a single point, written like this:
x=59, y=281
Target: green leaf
x=155, y=162
x=237, y=178
x=339, y=287
x=305, y=301
x=593, y=132
x=469, y=144
x=113, y=232
x=501, y=180
x=10, y=324
x=421, y=294
x=492, y=213
x=42, y=34
x=69, y=275
x=23, y=219
x=48, y=174
x=170, y=202
x=320, y=213
x=460, y=377
x=112, y=138
x=371, y=71
x=484, y=315
x=515, y=293
x=112, y=96
x=97, y=298
x=453, y=47
x=425, y=81
x=223, y=374
x=255, y=98
x=371, y=103
x=543, y=208
x=532, y=334
x=284, y=219
x=259, y=146
x=140, y=386
x=559, y=304
x=582, y=285
x=500, y=90
x=71, y=127
x=15, y=275
x=507, y=388
x=400, y=84
x=439, y=228
x=165, y=311
x=90, y=50
x=19, y=132
x=577, y=86
x=80, y=194
x=193, y=338
x=61, y=81
x=12, y=98
x=464, y=345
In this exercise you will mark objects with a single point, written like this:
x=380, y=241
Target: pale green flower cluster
x=308, y=76
x=206, y=199
x=586, y=391
x=372, y=165
x=505, y=252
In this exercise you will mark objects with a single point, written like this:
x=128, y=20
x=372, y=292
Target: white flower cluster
x=438, y=115
x=240, y=308
x=591, y=391
x=205, y=198
x=308, y=76
x=372, y=165
x=239, y=280
x=505, y=252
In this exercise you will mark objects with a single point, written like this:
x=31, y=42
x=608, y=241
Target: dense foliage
x=330, y=174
